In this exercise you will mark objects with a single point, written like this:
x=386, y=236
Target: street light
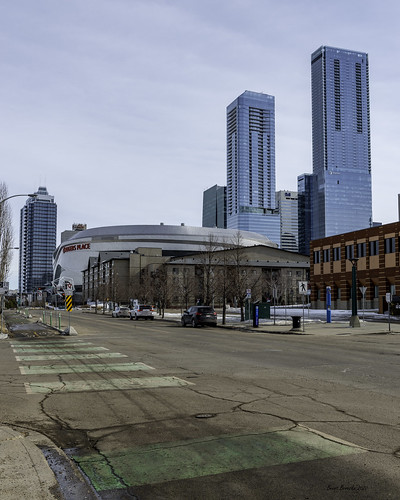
x=354, y=320
x=31, y=195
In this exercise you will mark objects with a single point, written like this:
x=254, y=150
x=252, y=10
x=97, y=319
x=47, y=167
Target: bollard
x=51, y=318
x=59, y=321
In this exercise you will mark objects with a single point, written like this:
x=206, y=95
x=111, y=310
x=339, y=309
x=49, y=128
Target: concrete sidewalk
x=317, y=328
x=26, y=474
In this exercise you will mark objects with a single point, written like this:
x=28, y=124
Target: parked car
x=199, y=316
x=121, y=312
x=142, y=311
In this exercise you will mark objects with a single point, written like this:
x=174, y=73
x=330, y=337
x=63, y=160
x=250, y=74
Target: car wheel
x=152, y=317
x=194, y=324
x=183, y=322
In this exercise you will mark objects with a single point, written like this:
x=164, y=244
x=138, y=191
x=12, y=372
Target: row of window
x=355, y=251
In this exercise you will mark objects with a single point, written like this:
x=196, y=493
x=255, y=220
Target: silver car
x=121, y=312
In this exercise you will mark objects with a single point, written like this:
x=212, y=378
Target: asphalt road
x=151, y=410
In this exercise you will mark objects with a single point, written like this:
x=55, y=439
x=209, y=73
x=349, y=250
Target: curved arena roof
x=173, y=240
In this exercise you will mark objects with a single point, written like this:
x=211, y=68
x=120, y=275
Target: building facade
x=304, y=198
x=122, y=276
x=377, y=254
x=289, y=220
x=73, y=254
x=342, y=200
x=214, y=207
x=38, y=230
x=251, y=202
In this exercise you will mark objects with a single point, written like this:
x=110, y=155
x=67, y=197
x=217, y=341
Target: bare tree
x=209, y=261
x=6, y=234
x=184, y=284
x=162, y=288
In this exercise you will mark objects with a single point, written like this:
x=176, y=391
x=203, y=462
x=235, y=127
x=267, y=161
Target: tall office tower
x=37, y=241
x=304, y=195
x=289, y=220
x=214, y=207
x=341, y=142
x=251, y=165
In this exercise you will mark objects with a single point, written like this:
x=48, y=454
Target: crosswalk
x=67, y=357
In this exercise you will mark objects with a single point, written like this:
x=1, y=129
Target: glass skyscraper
x=342, y=199
x=214, y=207
x=251, y=165
x=38, y=229
x=289, y=220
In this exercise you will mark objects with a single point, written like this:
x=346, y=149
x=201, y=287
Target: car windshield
x=206, y=309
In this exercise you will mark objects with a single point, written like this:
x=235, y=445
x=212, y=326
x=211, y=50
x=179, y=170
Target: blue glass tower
x=251, y=165
x=38, y=229
x=342, y=198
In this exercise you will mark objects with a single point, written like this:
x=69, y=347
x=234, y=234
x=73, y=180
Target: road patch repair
x=158, y=463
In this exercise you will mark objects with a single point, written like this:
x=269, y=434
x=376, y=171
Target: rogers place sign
x=79, y=246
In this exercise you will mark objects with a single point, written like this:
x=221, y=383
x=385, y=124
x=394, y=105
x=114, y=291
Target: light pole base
x=355, y=322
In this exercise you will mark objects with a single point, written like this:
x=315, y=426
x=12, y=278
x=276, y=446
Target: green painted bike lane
x=146, y=465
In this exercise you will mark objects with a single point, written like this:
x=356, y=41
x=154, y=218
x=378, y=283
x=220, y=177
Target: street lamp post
x=354, y=320
x=32, y=195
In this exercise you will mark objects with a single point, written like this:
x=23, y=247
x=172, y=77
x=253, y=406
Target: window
x=390, y=245
x=316, y=257
x=349, y=252
x=374, y=247
x=339, y=293
x=361, y=250
x=336, y=254
x=376, y=292
x=327, y=255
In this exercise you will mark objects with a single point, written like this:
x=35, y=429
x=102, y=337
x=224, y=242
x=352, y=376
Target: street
x=151, y=410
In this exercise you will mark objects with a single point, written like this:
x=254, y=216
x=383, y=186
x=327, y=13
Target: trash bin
x=296, y=321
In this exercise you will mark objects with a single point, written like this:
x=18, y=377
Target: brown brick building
x=377, y=251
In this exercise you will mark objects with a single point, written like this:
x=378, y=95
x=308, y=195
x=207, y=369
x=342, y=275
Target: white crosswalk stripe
x=62, y=352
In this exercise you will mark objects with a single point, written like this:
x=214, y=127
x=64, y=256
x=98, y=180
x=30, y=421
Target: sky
x=118, y=107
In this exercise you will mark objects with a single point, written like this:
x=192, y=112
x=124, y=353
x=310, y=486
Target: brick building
x=377, y=252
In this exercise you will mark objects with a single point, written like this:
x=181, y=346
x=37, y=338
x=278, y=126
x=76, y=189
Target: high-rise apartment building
x=251, y=165
x=214, y=207
x=37, y=241
x=342, y=199
x=289, y=220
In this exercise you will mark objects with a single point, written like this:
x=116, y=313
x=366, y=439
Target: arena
x=72, y=255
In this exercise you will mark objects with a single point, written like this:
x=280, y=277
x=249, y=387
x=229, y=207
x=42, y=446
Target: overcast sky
x=119, y=106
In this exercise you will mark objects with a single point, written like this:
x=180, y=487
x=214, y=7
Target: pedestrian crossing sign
x=303, y=286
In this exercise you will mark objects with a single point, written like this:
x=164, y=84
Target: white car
x=142, y=311
x=121, y=312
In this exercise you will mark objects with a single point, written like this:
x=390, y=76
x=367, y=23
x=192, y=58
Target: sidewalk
x=316, y=328
x=26, y=474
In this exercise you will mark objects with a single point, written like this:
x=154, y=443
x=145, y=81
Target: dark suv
x=199, y=315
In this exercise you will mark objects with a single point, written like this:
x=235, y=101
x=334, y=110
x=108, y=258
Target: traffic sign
x=303, y=285
x=68, y=302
